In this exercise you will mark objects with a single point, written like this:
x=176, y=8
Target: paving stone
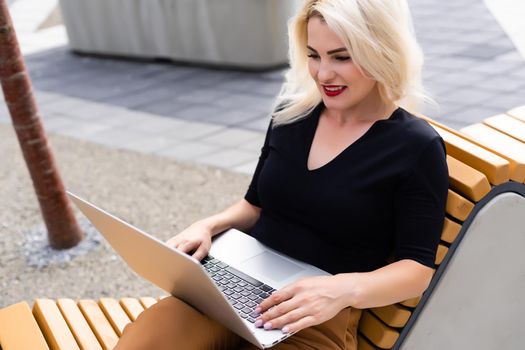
x=87, y=110
x=443, y=109
x=452, y=64
x=511, y=57
x=247, y=168
x=104, y=93
x=196, y=131
x=505, y=102
x=277, y=74
x=262, y=104
x=453, y=123
x=468, y=95
x=123, y=119
x=435, y=86
x=251, y=85
x=492, y=68
x=232, y=116
x=62, y=104
x=455, y=79
x=202, y=95
x=232, y=137
x=445, y=49
x=56, y=123
x=207, y=77
x=43, y=97
x=82, y=130
x=260, y=124
x=255, y=144
x=152, y=144
x=5, y=118
x=502, y=83
x=518, y=73
x=118, y=138
x=146, y=97
x=187, y=150
x=154, y=125
x=471, y=115
x=483, y=51
x=228, y=158
x=193, y=112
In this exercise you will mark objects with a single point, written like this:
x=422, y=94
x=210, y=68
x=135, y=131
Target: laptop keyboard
x=242, y=291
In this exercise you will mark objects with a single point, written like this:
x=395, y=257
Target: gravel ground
x=158, y=195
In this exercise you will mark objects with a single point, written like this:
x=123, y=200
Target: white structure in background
x=27, y=16
x=244, y=33
x=511, y=16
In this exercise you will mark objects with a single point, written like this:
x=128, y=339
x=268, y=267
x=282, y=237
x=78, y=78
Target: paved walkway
x=218, y=117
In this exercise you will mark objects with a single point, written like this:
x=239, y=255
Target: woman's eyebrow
x=341, y=49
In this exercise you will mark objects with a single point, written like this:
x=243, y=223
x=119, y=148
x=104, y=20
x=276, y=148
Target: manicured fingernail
x=268, y=325
x=286, y=329
x=257, y=310
x=258, y=323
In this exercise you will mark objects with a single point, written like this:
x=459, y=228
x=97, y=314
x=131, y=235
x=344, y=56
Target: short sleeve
x=420, y=206
x=252, y=195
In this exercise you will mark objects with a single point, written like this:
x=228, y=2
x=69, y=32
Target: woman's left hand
x=307, y=302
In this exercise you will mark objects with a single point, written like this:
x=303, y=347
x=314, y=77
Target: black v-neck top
x=381, y=199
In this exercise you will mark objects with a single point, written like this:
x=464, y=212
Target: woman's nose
x=325, y=73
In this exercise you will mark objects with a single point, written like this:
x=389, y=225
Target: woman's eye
x=343, y=58
x=313, y=55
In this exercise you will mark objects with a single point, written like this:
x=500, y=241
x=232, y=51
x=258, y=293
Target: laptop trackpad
x=271, y=266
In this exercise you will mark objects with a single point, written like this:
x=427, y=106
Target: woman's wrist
x=351, y=291
x=214, y=224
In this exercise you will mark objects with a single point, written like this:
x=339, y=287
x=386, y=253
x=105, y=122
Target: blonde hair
x=380, y=39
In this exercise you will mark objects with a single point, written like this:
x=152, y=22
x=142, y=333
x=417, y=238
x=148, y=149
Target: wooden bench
x=487, y=171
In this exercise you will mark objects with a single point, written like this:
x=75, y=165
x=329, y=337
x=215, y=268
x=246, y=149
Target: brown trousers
x=172, y=324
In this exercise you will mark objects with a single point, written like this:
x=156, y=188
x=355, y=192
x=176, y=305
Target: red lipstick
x=333, y=90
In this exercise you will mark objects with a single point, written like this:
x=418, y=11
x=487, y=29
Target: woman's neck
x=367, y=111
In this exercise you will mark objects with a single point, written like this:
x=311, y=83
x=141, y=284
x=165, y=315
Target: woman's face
x=341, y=83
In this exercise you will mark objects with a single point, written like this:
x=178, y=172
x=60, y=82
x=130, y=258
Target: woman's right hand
x=196, y=238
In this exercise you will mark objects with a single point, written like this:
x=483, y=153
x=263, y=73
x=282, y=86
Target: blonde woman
x=348, y=180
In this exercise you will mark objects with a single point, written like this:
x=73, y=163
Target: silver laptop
x=227, y=285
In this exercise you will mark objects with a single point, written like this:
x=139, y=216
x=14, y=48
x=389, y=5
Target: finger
x=275, y=299
x=285, y=318
x=201, y=252
x=188, y=246
x=173, y=242
x=281, y=310
x=302, y=323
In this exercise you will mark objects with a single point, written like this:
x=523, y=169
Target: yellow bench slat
x=106, y=335
x=496, y=168
x=393, y=315
x=457, y=206
x=450, y=231
x=115, y=314
x=508, y=125
x=440, y=254
x=53, y=325
x=470, y=182
x=376, y=331
x=132, y=307
x=364, y=344
x=503, y=145
x=411, y=302
x=19, y=329
x=78, y=325
x=518, y=113
x=147, y=302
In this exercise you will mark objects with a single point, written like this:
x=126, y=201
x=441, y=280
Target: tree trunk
x=63, y=230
